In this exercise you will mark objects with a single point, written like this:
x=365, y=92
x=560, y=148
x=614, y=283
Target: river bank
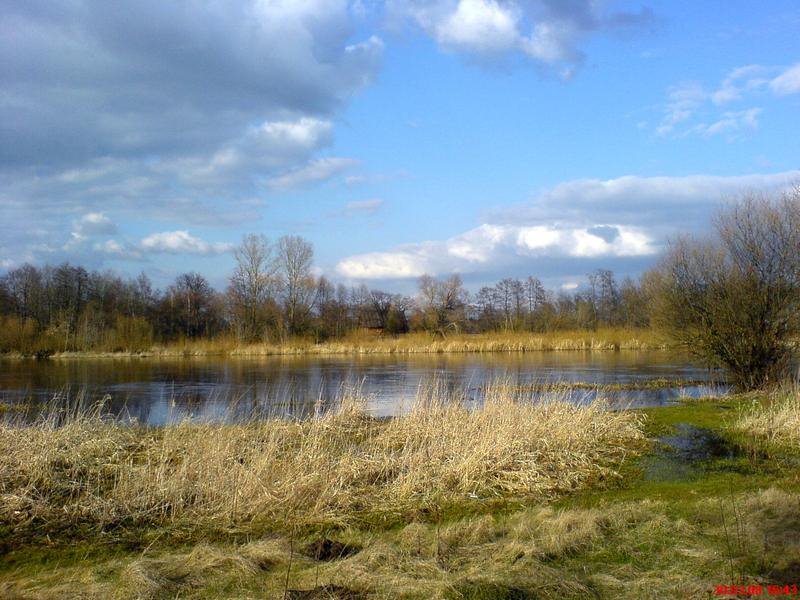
x=663, y=502
x=605, y=339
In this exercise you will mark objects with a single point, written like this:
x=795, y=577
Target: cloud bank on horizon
x=401, y=137
x=627, y=217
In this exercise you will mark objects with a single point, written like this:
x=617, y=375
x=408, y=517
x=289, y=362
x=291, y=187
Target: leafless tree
x=251, y=284
x=295, y=257
x=442, y=302
x=734, y=299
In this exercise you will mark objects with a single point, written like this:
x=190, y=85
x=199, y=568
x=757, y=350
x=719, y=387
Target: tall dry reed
x=331, y=470
x=775, y=421
x=414, y=343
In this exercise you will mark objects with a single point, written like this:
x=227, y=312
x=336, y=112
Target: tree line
x=272, y=296
x=732, y=298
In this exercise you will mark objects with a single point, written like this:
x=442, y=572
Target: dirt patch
x=327, y=550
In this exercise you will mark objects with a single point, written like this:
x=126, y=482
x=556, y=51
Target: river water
x=159, y=391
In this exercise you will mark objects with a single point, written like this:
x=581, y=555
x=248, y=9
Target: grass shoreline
x=734, y=519
x=601, y=340
x=333, y=470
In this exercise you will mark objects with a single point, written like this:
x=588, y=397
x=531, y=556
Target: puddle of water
x=686, y=453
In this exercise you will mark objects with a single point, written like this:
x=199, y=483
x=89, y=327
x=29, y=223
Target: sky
x=489, y=138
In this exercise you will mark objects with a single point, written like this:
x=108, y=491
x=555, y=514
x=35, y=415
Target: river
x=160, y=391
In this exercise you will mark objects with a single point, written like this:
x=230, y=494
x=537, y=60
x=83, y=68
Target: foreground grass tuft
x=773, y=422
x=332, y=471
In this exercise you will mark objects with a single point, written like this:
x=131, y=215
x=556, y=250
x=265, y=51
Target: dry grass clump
x=774, y=422
x=332, y=470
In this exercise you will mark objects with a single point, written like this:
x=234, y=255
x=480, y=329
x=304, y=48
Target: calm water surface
x=159, y=391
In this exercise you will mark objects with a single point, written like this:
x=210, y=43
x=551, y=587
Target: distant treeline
x=273, y=296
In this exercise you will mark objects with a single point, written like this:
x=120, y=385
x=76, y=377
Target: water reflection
x=168, y=390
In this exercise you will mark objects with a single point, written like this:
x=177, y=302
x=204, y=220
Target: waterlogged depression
x=160, y=391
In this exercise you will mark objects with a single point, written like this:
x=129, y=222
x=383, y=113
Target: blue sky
x=484, y=137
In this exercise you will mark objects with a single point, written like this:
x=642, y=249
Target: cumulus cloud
x=92, y=224
x=177, y=111
x=180, y=242
x=570, y=227
x=544, y=31
x=84, y=78
x=490, y=246
x=672, y=202
x=117, y=249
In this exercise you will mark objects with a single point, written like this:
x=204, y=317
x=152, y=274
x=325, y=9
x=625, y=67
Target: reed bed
x=413, y=343
x=775, y=421
x=333, y=470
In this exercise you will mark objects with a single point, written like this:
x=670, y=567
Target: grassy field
x=511, y=501
x=413, y=343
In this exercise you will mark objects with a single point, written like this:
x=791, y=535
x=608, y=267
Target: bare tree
x=442, y=302
x=734, y=299
x=295, y=257
x=535, y=293
x=250, y=285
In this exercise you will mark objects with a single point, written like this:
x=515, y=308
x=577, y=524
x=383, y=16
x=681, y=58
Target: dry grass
x=417, y=343
x=627, y=550
x=775, y=421
x=333, y=470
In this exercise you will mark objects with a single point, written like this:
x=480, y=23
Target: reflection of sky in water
x=169, y=390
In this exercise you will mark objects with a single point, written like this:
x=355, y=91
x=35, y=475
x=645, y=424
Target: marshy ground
x=511, y=501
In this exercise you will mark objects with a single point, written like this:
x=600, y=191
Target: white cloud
x=491, y=245
x=181, y=242
x=315, y=171
x=94, y=223
x=618, y=221
x=170, y=111
x=682, y=102
x=481, y=26
x=261, y=151
x=731, y=123
x=739, y=82
x=787, y=82
x=682, y=202
x=691, y=102
x=159, y=78
x=546, y=32
x=118, y=250
x=382, y=265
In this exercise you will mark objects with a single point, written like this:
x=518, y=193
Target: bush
x=733, y=299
